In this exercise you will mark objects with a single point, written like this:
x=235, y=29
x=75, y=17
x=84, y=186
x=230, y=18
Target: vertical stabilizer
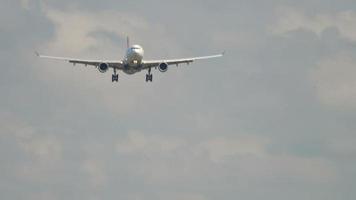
x=128, y=42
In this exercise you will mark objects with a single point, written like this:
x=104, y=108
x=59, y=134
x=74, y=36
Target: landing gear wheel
x=115, y=78
x=149, y=77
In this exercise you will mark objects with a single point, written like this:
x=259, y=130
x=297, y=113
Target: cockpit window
x=135, y=47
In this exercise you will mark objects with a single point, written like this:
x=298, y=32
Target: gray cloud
x=273, y=119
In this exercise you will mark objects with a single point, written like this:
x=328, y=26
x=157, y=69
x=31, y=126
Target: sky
x=273, y=119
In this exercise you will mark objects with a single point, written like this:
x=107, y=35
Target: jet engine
x=163, y=67
x=103, y=67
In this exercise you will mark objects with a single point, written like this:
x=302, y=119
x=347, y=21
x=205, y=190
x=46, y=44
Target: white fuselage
x=133, y=59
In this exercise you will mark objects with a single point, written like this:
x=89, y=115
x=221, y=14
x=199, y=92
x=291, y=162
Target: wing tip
x=37, y=54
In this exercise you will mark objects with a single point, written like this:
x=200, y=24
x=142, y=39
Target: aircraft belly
x=131, y=70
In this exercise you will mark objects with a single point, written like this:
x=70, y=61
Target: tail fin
x=128, y=42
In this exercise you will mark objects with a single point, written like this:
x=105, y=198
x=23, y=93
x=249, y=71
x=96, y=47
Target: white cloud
x=42, y=148
x=45, y=155
x=218, y=149
x=73, y=28
x=187, y=196
x=42, y=153
x=333, y=77
x=25, y=4
x=73, y=38
x=138, y=142
x=211, y=160
x=292, y=20
x=174, y=160
x=221, y=148
x=45, y=195
x=233, y=39
x=96, y=173
x=335, y=82
x=343, y=146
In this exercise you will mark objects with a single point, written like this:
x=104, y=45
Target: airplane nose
x=138, y=51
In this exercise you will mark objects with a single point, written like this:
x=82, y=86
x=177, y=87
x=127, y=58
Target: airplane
x=132, y=62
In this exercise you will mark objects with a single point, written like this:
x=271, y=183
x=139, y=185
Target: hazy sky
x=274, y=119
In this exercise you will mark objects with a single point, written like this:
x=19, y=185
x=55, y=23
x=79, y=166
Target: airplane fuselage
x=133, y=59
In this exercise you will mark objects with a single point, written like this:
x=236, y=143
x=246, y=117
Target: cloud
x=220, y=148
x=96, y=173
x=25, y=4
x=343, y=148
x=334, y=80
x=291, y=19
x=45, y=149
x=138, y=142
x=73, y=40
x=44, y=155
x=161, y=159
x=102, y=33
x=70, y=39
x=40, y=153
x=179, y=196
x=196, y=133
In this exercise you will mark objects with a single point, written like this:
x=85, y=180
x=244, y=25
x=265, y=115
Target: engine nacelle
x=103, y=67
x=163, y=67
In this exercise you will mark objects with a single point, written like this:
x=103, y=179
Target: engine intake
x=103, y=67
x=163, y=67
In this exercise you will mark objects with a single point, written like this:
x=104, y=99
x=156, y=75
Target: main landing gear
x=149, y=76
x=115, y=77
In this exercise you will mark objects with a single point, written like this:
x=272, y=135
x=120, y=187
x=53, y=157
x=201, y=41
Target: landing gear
x=115, y=77
x=149, y=76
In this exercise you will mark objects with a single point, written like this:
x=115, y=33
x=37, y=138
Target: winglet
x=128, y=42
x=223, y=53
x=37, y=54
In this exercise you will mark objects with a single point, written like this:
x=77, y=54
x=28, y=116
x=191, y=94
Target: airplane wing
x=154, y=63
x=95, y=63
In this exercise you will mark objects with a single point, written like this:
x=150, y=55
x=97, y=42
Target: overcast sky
x=274, y=119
